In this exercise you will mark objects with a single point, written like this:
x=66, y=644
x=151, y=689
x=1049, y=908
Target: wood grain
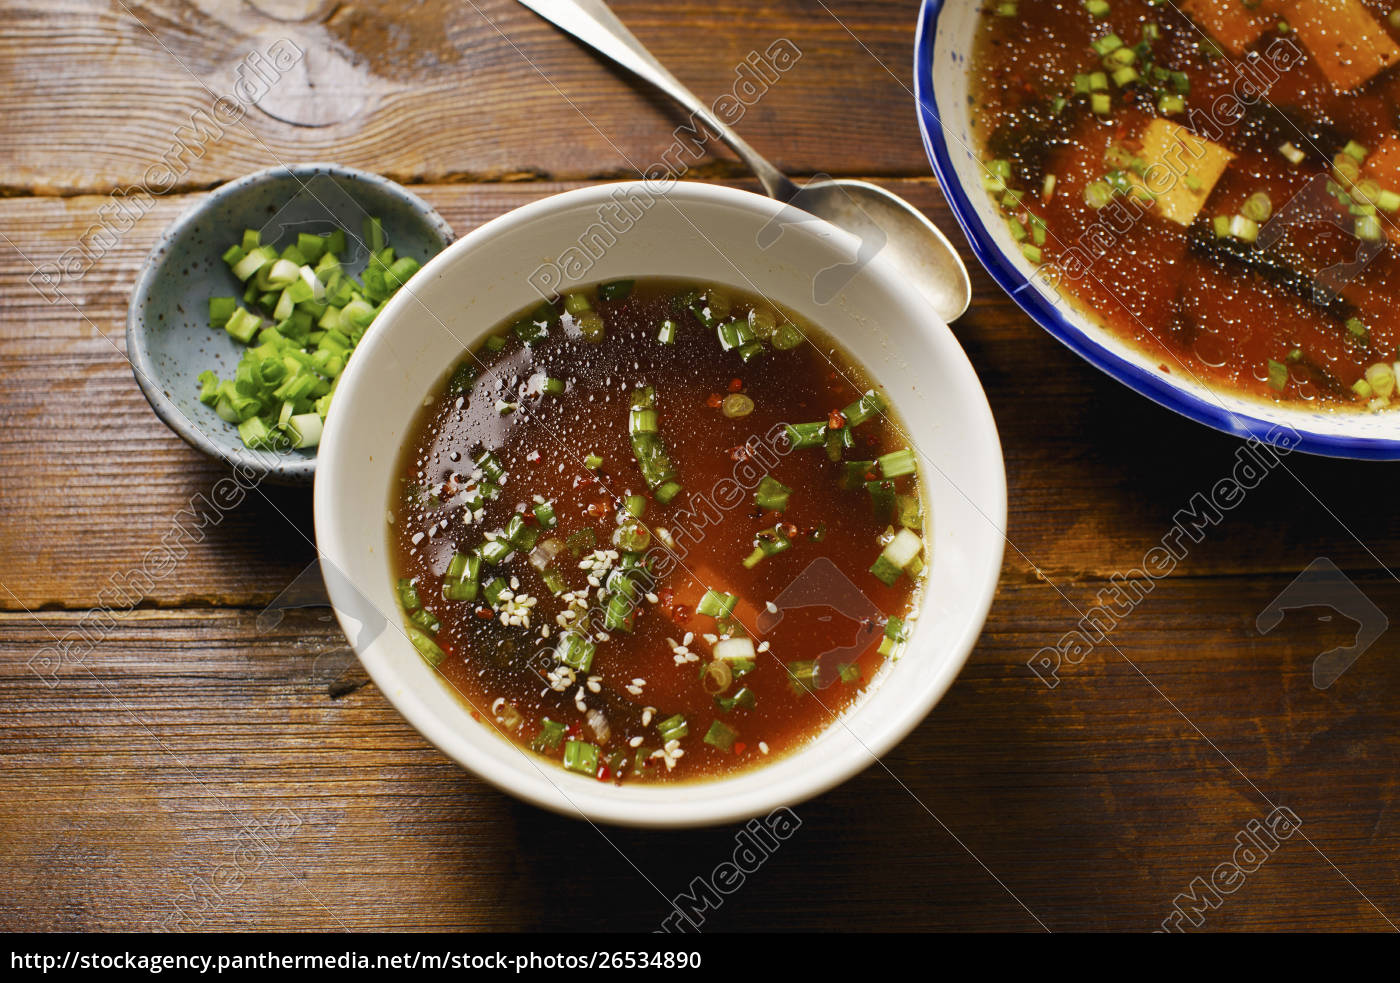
x=140, y=772
x=433, y=91
x=1094, y=470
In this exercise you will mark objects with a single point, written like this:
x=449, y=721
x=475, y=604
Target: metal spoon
x=885, y=223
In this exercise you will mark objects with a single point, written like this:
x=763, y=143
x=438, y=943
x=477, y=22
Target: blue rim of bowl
x=1028, y=298
x=298, y=471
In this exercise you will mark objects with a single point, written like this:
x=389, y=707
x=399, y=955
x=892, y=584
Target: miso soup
x=1217, y=181
x=658, y=531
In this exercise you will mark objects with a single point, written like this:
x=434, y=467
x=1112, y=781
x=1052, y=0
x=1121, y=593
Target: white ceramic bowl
x=942, y=54
x=700, y=232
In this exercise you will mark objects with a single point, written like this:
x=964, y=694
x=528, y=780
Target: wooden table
x=200, y=768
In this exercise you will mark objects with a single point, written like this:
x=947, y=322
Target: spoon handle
x=591, y=22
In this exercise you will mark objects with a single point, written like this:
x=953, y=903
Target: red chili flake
x=1164, y=367
x=604, y=773
x=714, y=401
x=835, y=420
x=735, y=385
x=789, y=530
x=741, y=453
x=600, y=508
x=476, y=715
x=739, y=747
x=485, y=614
x=680, y=613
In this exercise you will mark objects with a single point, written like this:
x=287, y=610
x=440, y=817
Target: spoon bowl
x=888, y=225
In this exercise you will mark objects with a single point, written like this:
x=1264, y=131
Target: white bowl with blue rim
x=943, y=49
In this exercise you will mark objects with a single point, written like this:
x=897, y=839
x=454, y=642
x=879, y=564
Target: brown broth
x=1165, y=287
x=502, y=671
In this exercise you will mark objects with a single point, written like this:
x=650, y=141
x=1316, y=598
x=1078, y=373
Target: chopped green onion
x=802, y=675
x=896, y=629
x=716, y=604
x=653, y=460
x=787, y=337
x=575, y=651
x=802, y=435
x=771, y=494
x=1368, y=228
x=666, y=334
x=1257, y=207
x=1355, y=151
x=721, y=735
x=1243, y=228
x=408, y=595
x=673, y=728
x=856, y=473
x=899, y=554
x=1107, y=44
x=770, y=542
x=427, y=648
x=897, y=463
x=1125, y=76
x=494, y=589
x=581, y=756
x=495, y=551
x=1097, y=194
x=554, y=580
x=550, y=735
x=1278, y=375
x=908, y=511
x=426, y=620
x=881, y=497
x=1096, y=8
x=867, y=407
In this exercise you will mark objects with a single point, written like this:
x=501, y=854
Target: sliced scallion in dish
x=301, y=315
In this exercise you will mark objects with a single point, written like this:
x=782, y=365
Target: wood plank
x=1097, y=474
x=134, y=781
x=433, y=91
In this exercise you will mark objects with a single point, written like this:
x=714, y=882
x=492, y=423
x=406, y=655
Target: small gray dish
x=168, y=338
